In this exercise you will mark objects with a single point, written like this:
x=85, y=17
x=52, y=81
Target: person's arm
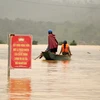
x=60, y=51
x=69, y=51
x=56, y=40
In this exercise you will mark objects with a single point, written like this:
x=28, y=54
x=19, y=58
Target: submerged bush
x=73, y=43
x=1, y=42
x=35, y=42
x=60, y=43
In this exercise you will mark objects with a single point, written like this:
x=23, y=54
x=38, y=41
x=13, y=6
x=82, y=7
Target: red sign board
x=20, y=51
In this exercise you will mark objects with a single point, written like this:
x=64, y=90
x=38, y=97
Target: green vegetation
x=60, y=43
x=73, y=43
x=35, y=42
x=1, y=42
x=82, y=32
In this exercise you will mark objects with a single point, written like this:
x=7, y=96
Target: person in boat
x=52, y=43
x=65, y=49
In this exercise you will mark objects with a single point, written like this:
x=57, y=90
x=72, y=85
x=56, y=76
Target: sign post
x=19, y=51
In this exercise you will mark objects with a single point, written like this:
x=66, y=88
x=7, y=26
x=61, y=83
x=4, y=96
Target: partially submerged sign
x=20, y=51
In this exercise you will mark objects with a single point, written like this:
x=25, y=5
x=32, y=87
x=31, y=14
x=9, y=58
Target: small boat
x=51, y=56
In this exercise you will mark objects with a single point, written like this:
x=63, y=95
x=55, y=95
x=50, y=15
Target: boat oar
x=40, y=56
x=37, y=57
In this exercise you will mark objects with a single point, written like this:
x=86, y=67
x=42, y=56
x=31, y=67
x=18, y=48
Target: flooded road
x=77, y=79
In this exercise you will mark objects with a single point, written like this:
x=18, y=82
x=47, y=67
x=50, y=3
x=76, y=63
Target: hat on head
x=49, y=31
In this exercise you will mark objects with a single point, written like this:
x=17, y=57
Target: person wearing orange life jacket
x=65, y=49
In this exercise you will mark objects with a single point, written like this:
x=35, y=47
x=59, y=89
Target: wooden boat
x=51, y=56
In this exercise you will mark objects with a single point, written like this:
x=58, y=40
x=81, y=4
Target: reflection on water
x=65, y=63
x=19, y=89
x=50, y=63
x=77, y=79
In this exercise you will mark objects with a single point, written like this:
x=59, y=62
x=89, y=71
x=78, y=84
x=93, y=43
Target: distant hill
x=82, y=32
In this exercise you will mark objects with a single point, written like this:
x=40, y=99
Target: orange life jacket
x=66, y=48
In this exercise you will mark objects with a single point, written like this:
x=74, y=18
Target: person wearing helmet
x=49, y=31
x=65, y=49
x=52, y=42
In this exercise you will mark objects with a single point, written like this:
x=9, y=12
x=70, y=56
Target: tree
x=73, y=43
x=35, y=42
x=1, y=42
x=60, y=43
